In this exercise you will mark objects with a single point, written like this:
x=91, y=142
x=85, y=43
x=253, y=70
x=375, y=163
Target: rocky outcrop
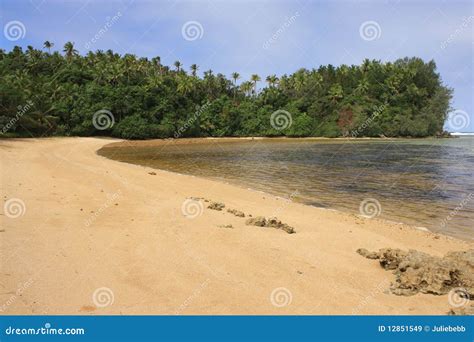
x=236, y=212
x=216, y=206
x=258, y=221
x=272, y=222
x=420, y=272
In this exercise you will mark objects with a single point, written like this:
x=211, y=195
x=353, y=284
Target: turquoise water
x=423, y=182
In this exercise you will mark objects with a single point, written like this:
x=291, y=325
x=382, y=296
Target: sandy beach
x=97, y=236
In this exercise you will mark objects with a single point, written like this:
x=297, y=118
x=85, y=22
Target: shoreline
x=277, y=197
x=197, y=140
x=192, y=141
x=7, y=137
x=139, y=245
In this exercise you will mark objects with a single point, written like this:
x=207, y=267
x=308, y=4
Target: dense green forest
x=103, y=93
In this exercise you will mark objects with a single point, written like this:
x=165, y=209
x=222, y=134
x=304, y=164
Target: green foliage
x=45, y=93
x=134, y=127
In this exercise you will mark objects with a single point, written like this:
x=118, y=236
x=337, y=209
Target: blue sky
x=263, y=37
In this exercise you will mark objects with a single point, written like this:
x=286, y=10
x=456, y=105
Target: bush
x=134, y=127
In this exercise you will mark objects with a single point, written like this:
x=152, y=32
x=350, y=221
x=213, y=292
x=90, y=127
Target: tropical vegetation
x=58, y=93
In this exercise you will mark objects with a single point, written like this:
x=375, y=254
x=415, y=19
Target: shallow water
x=424, y=182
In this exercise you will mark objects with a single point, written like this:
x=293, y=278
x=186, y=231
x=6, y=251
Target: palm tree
x=268, y=81
x=247, y=87
x=300, y=81
x=366, y=65
x=194, y=69
x=48, y=45
x=317, y=79
x=208, y=73
x=157, y=62
x=29, y=50
x=336, y=93
x=363, y=86
x=129, y=62
x=344, y=70
x=271, y=80
x=178, y=65
x=185, y=84
x=255, y=78
x=33, y=56
x=69, y=50
x=235, y=77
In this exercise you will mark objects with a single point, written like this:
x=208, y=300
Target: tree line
x=51, y=93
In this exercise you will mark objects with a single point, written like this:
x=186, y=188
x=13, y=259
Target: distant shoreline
x=452, y=135
x=186, y=141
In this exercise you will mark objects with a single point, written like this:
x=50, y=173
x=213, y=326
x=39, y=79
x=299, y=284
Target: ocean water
x=423, y=182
